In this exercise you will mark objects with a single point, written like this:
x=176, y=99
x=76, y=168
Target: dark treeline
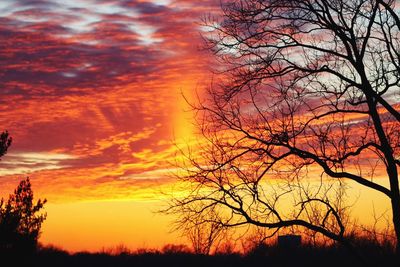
x=263, y=255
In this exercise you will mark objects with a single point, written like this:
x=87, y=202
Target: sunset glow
x=94, y=94
x=91, y=93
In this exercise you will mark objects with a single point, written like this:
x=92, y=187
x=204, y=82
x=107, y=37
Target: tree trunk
x=391, y=168
x=396, y=214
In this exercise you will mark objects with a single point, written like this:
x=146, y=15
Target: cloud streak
x=91, y=92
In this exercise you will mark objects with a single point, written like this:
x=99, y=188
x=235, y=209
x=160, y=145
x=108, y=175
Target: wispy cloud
x=91, y=92
x=25, y=163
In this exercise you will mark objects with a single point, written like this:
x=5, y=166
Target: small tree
x=204, y=232
x=20, y=220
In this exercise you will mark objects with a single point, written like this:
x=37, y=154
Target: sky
x=91, y=93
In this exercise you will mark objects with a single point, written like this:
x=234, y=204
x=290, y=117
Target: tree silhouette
x=20, y=220
x=204, y=233
x=5, y=142
x=306, y=98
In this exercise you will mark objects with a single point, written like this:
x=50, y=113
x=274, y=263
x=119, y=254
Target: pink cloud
x=99, y=82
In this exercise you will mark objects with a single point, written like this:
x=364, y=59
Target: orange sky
x=91, y=94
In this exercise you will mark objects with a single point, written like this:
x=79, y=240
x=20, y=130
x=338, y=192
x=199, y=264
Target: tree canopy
x=5, y=142
x=20, y=220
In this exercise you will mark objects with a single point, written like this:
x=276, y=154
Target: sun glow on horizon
x=97, y=225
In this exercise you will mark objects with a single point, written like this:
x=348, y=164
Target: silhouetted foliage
x=261, y=255
x=20, y=220
x=175, y=249
x=5, y=142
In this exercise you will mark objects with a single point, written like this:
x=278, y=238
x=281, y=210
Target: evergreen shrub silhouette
x=20, y=221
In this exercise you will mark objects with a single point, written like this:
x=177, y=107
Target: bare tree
x=204, y=231
x=307, y=90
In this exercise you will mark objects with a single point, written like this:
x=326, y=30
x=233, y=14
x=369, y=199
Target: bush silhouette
x=20, y=220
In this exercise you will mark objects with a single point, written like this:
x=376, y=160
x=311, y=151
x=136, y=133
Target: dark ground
x=261, y=256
